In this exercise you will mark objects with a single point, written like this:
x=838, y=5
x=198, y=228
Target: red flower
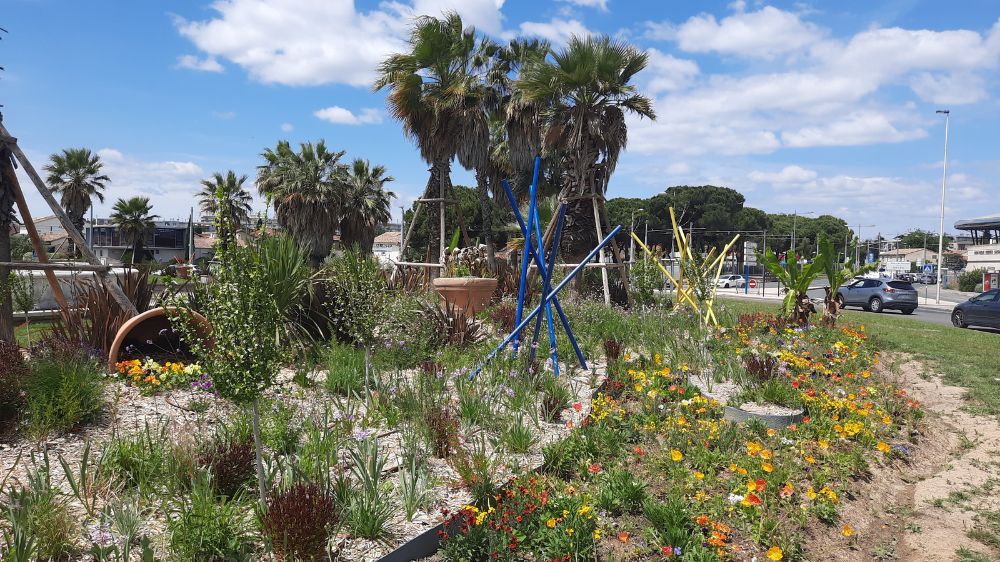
x=795, y=384
x=752, y=499
x=577, y=406
x=594, y=468
x=761, y=484
x=638, y=450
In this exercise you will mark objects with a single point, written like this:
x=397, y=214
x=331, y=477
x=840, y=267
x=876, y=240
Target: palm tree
x=229, y=190
x=836, y=275
x=76, y=176
x=7, y=222
x=306, y=188
x=428, y=93
x=796, y=281
x=134, y=219
x=365, y=206
x=583, y=94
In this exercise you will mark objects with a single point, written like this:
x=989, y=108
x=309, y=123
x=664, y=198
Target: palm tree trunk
x=136, y=248
x=482, y=189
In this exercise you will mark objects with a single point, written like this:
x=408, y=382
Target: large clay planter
x=468, y=295
x=147, y=326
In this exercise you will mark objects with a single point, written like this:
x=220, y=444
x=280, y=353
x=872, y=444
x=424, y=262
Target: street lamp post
x=402, y=229
x=631, y=226
x=944, y=183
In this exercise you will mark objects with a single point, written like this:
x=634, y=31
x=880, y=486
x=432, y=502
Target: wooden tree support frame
x=113, y=288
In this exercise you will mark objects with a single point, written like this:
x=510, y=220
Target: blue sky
x=824, y=107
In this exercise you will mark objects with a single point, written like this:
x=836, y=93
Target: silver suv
x=877, y=295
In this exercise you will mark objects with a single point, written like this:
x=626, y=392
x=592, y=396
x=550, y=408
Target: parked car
x=980, y=310
x=926, y=278
x=727, y=281
x=876, y=295
x=908, y=277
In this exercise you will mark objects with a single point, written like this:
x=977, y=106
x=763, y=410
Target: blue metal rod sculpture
x=545, y=299
x=546, y=285
x=532, y=191
x=544, y=272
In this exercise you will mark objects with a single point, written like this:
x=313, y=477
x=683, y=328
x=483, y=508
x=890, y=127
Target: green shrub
x=355, y=297
x=345, y=366
x=62, y=392
x=620, y=492
x=370, y=507
x=13, y=372
x=280, y=428
x=970, y=281
x=645, y=280
x=136, y=461
x=41, y=524
x=206, y=527
x=670, y=520
x=297, y=522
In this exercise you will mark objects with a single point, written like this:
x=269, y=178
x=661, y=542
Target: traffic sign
x=928, y=268
x=753, y=283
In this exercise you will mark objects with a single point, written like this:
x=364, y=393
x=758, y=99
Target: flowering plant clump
x=528, y=519
x=711, y=489
x=150, y=376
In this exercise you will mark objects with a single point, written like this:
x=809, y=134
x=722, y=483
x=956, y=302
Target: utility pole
x=631, y=228
x=402, y=231
x=858, y=245
x=944, y=183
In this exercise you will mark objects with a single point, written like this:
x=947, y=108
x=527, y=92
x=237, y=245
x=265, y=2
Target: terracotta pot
x=147, y=326
x=468, y=295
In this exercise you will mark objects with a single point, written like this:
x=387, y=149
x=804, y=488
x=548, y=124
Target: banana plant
x=836, y=274
x=796, y=281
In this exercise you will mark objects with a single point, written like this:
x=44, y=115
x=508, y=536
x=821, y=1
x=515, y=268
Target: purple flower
x=100, y=535
x=677, y=551
x=362, y=434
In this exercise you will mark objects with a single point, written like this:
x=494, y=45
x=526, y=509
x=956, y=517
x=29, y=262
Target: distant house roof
x=906, y=253
x=53, y=236
x=388, y=238
x=204, y=241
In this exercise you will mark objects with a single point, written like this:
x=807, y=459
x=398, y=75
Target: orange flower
x=623, y=536
x=775, y=553
x=577, y=406
x=766, y=454
x=847, y=530
x=787, y=490
x=702, y=520
x=639, y=451
x=883, y=446
x=753, y=499
x=766, y=467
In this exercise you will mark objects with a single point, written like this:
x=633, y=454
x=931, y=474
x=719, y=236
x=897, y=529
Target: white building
x=903, y=260
x=386, y=247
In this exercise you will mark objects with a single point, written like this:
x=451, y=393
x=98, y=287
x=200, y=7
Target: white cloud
x=788, y=174
x=312, y=42
x=192, y=62
x=599, y=4
x=287, y=128
x=557, y=31
x=955, y=88
x=668, y=72
x=766, y=33
x=341, y=116
x=224, y=115
x=856, y=129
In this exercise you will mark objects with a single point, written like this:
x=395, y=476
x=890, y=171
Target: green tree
x=19, y=246
x=365, y=205
x=226, y=191
x=424, y=94
x=423, y=232
x=919, y=238
x=953, y=262
x=76, y=176
x=585, y=92
x=306, y=188
x=135, y=222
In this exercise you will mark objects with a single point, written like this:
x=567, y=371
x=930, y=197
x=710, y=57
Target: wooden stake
x=113, y=288
x=36, y=241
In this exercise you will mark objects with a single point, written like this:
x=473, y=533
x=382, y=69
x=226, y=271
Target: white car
x=727, y=281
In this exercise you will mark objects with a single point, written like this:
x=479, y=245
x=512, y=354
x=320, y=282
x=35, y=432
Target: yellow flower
x=810, y=459
x=481, y=517
x=883, y=446
x=699, y=475
x=583, y=510
x=676, y=455
x=886, y=420
x=766, y=454
x=766, y=467
x=810, y=493
x=597, y=534
x=569, y=531
x=775, y=553
x=771, y=432
x=551, y=523
x=824, y=443
x=847, y=530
